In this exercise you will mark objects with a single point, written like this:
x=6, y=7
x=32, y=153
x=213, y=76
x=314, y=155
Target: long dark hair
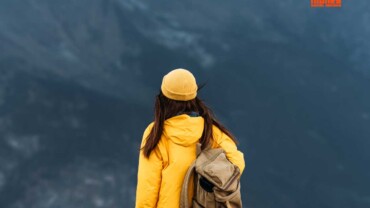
x=166, y=108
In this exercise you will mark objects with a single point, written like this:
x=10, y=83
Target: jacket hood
x=183, y=129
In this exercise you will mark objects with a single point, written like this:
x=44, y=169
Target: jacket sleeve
x=149, y=176
x=232, y=153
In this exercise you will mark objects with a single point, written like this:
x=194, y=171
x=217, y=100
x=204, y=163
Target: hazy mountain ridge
x=51, y=125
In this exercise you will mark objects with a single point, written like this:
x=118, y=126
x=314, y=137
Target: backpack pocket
x=206, y=185
x=203, y=198
x=196, y=204
x=221, y=172
x=230, y=199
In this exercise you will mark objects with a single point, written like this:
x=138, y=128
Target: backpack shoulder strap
x=184, y=201
x=198, y=149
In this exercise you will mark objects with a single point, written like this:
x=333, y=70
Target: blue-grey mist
x=78, y=81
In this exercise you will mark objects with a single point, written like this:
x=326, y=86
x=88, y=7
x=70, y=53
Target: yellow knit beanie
x=179, y=84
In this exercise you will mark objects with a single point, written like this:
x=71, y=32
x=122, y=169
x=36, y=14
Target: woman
x=168, y=146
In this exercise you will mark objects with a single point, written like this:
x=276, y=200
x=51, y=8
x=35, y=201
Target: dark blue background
x=78, y=80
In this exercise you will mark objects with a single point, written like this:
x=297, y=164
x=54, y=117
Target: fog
x=78, y=81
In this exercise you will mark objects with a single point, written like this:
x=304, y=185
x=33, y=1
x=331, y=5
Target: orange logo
x=326, y=3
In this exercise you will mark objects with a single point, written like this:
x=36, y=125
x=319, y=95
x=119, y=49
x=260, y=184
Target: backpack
x=216, y=181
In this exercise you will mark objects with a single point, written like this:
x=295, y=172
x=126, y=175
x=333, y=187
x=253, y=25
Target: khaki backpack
x=216, y=181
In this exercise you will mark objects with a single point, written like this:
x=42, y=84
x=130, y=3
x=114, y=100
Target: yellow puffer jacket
x=161, y=175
